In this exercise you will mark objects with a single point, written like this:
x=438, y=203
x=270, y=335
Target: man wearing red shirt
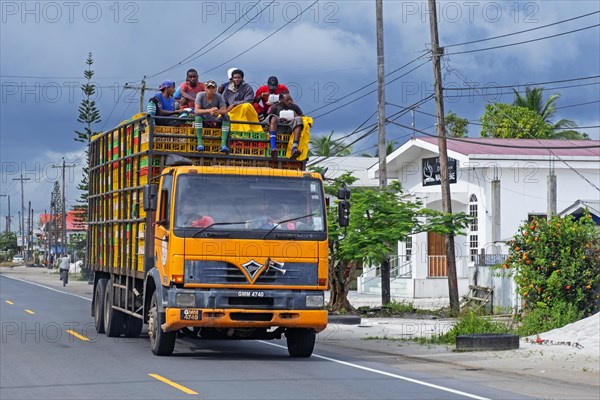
x=190, y=88
x=262, y=96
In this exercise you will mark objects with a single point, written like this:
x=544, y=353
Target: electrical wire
x=528, y=84
x=368, y=84
x=208, y=42
x=524, y=31
x=264, y=39
x=522, y=42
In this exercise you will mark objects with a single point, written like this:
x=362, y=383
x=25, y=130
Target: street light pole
x=22, y=215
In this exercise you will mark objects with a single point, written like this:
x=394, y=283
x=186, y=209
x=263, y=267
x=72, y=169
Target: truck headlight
x=313, y=300
x=185, y=299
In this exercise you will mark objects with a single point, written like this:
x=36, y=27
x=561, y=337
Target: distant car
x=18, y=259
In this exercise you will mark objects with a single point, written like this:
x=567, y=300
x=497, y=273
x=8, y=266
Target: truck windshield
x=254, y=205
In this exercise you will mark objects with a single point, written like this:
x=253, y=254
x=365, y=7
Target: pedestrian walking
x=65, y=263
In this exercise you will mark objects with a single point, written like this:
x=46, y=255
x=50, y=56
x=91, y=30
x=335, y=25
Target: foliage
x=529, y=117
x=88, y=116
x=378, y=220
x=544, y=318
x=8, y=242
x=468, y=323
x=555, y=262
x=326, y=146
x=456, y=126
x=389, y=149
x=533, y=100
x=510, y=121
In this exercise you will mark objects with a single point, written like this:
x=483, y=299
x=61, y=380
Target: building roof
x=359, y=166
x=520, y=147
x=72, y=225
x=593, y=206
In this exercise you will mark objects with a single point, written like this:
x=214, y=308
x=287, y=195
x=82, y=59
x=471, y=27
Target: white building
x=500, y=182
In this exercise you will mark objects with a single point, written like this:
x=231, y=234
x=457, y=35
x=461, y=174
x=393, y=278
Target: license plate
x=250, y=293
x=191, y=315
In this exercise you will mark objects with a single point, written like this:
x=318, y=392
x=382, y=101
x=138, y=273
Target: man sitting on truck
x=162, y=104
x=286, y=110
x=190, y=89
x=261, y=100
x=210, y=106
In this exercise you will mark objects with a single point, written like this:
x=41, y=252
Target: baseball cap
x=272, y=82
x=229, y=72
x=166, y=84
x=210, y=83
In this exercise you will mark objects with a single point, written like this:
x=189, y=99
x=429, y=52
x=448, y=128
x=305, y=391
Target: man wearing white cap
x=223, y=85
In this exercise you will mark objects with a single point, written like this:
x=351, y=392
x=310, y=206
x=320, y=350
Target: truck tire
x=99, y=305
x=114, y=320
x=161, y=343
x=133, y=326
x=300, y=342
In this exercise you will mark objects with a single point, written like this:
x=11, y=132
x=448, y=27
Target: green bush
x=471, y=322
x=544, y=318
x=555, y=262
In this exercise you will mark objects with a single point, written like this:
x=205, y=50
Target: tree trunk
x=385, y=281
x=340, y=277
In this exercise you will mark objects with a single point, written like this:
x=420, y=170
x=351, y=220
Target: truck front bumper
x=178, y=318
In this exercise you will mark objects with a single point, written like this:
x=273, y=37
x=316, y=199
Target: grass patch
x=469, y=322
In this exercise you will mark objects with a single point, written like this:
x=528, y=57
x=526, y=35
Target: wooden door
x=436, y=254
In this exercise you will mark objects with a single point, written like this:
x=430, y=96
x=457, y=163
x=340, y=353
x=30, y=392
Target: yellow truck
x=205, y=244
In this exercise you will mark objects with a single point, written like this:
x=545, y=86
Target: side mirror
x=344, y=213
x=150, y=197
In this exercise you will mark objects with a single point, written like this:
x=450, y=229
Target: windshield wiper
x=285, y=220
x=215, y=224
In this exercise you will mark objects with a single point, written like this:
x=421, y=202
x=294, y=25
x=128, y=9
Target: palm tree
x=533, y=100
x=326, y=146
x=389, y=149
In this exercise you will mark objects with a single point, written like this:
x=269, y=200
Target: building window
x=473, y=246
x=408, y=244
x=473, y=227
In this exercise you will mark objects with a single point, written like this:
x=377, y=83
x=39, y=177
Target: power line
x=264, y=39
x=369, y=84
x=523, y=42
x=208, y=42
x=529, y=84
x=524, y=31
x=471, y=141
x=372, y=91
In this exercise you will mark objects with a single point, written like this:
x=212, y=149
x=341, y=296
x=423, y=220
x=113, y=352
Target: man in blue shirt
x=162, y=104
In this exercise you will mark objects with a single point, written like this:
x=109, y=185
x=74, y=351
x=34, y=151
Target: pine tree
x=88, y=116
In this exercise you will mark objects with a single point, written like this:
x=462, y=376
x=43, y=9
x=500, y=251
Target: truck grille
x=225, y=273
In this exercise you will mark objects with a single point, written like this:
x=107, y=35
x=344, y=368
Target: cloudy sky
x=324, y=51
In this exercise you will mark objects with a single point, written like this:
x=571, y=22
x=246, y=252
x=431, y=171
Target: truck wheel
x=300, y=342
x=114, y=320
x=99, y=305
x=161, y=343
x=133, y=326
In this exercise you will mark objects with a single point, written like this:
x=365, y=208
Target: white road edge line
x=404, y=378
x=45, y=287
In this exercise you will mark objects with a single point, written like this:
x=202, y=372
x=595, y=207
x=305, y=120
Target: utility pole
x=437, y=53
x=63, y=239
x=385, y=265
x=3, y=195
x=22, y=215
x=29, y=231
x=142, y=88
x=9, y=220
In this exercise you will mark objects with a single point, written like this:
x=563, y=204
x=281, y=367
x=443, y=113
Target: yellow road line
x=171, y=383
x=29, y=312
x=9, y=302
x=78, y=336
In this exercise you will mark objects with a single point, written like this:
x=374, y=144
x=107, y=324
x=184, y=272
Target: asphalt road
x=50, y=350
